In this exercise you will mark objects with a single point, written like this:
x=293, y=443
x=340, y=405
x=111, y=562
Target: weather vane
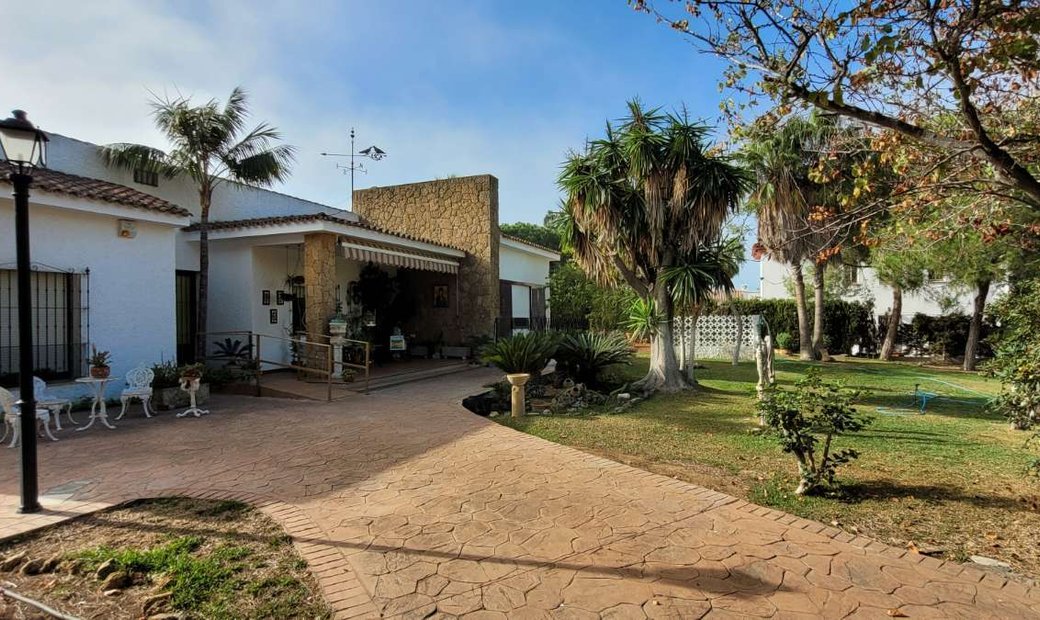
x=373, y=152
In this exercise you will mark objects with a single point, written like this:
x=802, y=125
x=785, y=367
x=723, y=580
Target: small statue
x=763, y=356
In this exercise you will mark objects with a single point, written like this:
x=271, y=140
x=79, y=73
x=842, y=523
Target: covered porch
x=331, y=300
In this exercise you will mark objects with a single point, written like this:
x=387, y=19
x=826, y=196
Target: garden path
x=406, y=505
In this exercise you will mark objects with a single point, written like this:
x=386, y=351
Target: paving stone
x=408, y=506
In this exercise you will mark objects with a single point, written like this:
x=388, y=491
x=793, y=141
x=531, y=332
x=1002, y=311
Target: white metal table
x=98, y=410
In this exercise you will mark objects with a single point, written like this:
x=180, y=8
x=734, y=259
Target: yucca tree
x=783, y=197
x=641, y=201
x=210, y=145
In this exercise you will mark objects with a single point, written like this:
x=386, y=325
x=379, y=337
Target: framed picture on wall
x=440, y=295
x=274, y=316
x=265, y=297
x=279, y=297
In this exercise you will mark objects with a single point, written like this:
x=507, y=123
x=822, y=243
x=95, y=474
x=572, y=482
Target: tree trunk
x=975, y=330
x=892, y=329
x=817, y=328
x=804, y=339
x=664, y=374
x=203, y=302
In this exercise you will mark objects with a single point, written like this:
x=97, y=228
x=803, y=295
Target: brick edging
x=340, y=586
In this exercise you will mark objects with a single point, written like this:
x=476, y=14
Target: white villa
x=930, y=300
x=116, y=258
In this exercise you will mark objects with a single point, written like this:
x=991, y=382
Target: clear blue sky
x=446, y=87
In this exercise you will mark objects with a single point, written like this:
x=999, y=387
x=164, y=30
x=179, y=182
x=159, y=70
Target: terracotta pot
x=100, y=372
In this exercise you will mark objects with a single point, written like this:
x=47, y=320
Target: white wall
x=774, y=278
x=132, y=294
x=520, y=266
x=241, y=269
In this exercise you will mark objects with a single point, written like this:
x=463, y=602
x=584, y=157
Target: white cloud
x=86, y=70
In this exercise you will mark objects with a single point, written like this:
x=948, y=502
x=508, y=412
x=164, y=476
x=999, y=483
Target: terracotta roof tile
x=530, y=243
x=95, y=189
x=307, y=218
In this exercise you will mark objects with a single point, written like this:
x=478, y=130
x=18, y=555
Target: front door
x=187, y=315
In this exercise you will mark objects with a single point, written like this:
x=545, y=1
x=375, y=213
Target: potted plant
x=166, y=390
x=783, y=343
x=99, y=363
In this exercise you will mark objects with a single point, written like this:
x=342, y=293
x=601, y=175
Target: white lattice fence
x=715, y=337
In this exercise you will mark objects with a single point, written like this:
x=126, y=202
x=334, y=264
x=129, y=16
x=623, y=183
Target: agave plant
x=643, y=319
x=521, y=353
x=584, y=356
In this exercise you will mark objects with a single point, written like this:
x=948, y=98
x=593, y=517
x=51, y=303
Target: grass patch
x=953, y=478
x=216, y=559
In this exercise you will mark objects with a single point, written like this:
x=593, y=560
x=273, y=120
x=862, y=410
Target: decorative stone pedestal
x=338, y=339
x=191, y=386
x=519, y=393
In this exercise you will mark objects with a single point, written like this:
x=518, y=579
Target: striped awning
x=394, y=256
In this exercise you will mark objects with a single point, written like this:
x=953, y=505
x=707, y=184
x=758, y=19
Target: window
x=146, y=177
x=60, y=325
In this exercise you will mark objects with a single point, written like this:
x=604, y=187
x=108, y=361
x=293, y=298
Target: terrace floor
x=406, y=505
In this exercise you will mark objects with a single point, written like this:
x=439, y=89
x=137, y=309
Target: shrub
x=585, y=355
x=845, y=323
x=814, y=412
x=784, y=340
x=525, y=352
x=643, y=319
x=1016, y=363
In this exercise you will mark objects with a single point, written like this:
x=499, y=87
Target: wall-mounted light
x=127, y=229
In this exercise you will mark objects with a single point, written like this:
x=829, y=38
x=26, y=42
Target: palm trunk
x=817, y=329
x=664, y=374
x=203, y=301
x=975, y=330
x=804, y=340
x=892, y=329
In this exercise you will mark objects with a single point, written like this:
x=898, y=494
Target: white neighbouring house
x=115, y=262
x=937, y=295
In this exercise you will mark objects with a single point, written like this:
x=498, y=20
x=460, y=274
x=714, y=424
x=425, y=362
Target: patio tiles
x=405, y=505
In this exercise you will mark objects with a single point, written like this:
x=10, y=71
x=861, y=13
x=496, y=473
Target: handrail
x=311, y=340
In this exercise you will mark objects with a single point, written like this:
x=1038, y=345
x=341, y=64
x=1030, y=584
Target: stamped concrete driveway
x=406, y=505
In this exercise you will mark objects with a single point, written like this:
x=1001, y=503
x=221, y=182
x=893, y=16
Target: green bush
x=784, y=341
x=524, y=352
x=846, y=323
x=806, y=420
x=584, y=356
x=1016, y=345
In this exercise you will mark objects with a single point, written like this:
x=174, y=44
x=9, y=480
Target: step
x=390, y=381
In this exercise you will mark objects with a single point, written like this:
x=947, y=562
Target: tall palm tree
x=210, y=145
x=643, y=200
x=784, y=197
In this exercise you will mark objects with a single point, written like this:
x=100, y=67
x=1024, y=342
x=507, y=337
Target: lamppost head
x=23, y=145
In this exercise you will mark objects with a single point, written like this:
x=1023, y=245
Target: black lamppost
x=373, y=152
x=24, y=147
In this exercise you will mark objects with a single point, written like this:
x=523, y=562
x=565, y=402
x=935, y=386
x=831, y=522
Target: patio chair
x=139, y=386
x=51, y=402
x=13, y=420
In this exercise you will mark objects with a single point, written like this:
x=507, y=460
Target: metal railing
x=306, y=355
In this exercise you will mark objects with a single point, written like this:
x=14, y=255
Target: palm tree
x=641, y=201
x=210, y=145
x=784, y=197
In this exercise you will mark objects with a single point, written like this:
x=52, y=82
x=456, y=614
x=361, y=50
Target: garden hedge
x=845, y=322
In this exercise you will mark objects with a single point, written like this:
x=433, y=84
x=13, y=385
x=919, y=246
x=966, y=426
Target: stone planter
x=100, y=372
x=176, y=398
x=519, y=393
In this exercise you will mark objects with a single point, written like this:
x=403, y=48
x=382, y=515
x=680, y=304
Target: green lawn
x=954, y=478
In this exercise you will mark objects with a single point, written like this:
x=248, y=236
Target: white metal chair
x=139, y=386
x=53, y=403
x=13, y=421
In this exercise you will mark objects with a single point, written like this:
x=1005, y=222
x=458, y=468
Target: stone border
x=340, y=586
